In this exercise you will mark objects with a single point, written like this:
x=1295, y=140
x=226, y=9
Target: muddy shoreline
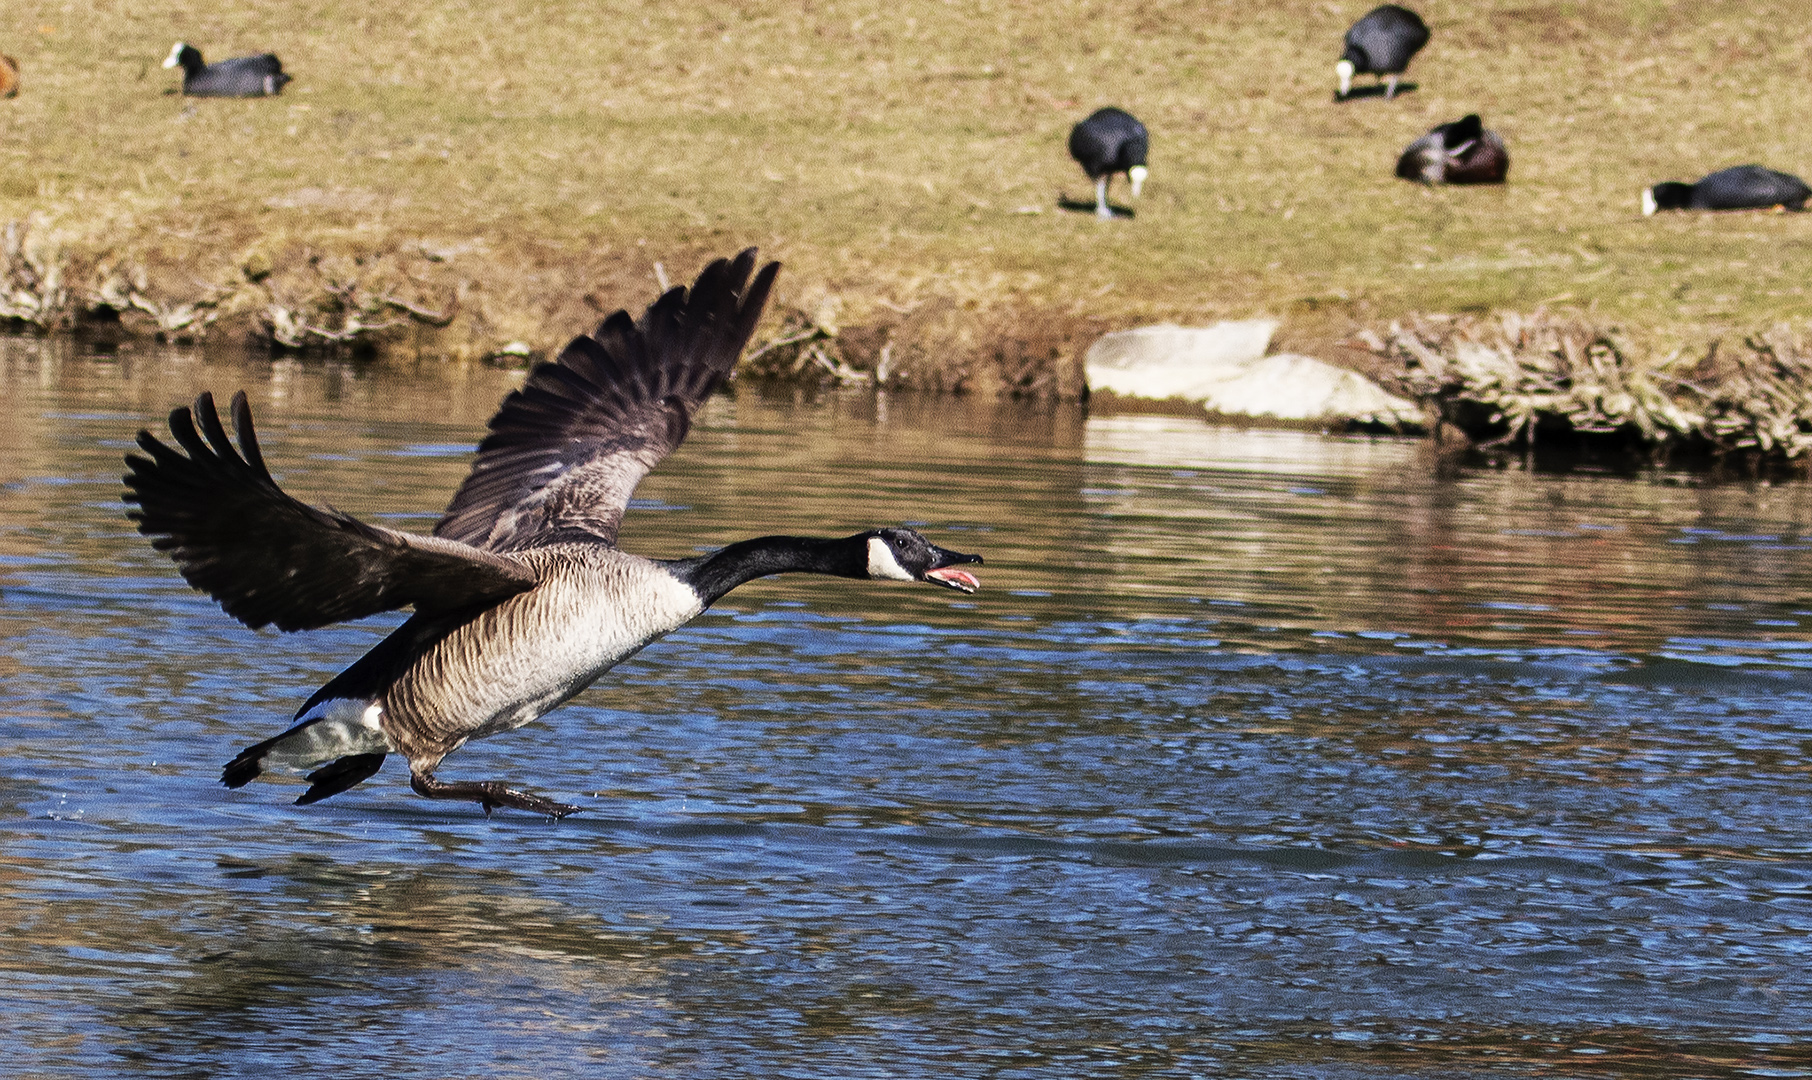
x=1499, y=383
x=474, y=303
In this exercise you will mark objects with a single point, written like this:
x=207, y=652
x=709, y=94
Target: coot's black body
x=1382, y=43
x=1110, y=141
x=242, y=76
x=1745, y=187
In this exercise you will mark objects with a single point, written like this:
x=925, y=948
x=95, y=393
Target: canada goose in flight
x=1382, y=43
x=1744, y=187
x=242, y=76
x=1110, y=141
x=1461, y=152
x=522, y=598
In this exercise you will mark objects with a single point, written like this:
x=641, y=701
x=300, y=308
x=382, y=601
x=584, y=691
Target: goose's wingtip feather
x=565, y=452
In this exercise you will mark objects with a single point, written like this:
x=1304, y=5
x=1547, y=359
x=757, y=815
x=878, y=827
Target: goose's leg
x=1101, y=210
x=489, y=794
x=1390, y=87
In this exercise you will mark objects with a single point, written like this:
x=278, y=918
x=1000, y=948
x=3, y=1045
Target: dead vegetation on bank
x=472, y=303
x=307, y=302
x=1522, y=382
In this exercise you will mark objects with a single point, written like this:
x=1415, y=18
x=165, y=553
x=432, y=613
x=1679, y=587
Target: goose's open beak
x=944, y=571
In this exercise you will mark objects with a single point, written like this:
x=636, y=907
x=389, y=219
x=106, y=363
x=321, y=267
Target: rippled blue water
x=1259, y=754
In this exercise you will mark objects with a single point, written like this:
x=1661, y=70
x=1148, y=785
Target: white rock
x=1224, y=369
x=1168, y=361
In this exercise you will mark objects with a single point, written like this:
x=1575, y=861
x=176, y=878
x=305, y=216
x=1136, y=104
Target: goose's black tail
x=329, y=779
x=338, y=775
x=249, y=765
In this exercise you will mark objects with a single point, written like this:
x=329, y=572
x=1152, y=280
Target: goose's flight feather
x=567, y=450
x=269, y=558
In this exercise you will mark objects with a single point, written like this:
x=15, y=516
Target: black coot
x=1110, y=141
x=242, y=76
x=1382, y=43
x=1745, y=187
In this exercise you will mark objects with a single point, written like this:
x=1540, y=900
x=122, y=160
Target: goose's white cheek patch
x=882, y=564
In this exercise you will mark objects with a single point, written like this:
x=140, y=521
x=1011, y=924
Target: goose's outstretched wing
x=269, y=558
x=567, y=450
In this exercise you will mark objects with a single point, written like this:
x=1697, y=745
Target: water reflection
x=1259, y=753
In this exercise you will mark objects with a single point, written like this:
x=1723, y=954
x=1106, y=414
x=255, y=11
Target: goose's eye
x=900, y=542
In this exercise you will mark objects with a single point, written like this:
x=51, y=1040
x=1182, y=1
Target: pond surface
x=1258, y=754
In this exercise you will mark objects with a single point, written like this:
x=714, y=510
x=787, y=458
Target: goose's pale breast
x=594, y=608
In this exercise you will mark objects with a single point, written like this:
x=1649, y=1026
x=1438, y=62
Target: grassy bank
x=509, y=169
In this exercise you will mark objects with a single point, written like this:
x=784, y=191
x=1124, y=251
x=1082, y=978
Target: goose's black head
x=904, y=555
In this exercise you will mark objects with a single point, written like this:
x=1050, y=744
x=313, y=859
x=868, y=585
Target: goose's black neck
x=713, y=575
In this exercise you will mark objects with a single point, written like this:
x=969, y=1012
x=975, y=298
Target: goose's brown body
x=512, y=663
x=521, y=596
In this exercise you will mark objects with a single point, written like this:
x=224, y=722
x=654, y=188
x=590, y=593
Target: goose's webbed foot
x=489, y=794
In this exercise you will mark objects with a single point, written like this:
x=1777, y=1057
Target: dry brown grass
x=1518, y=383
x=526, y=155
